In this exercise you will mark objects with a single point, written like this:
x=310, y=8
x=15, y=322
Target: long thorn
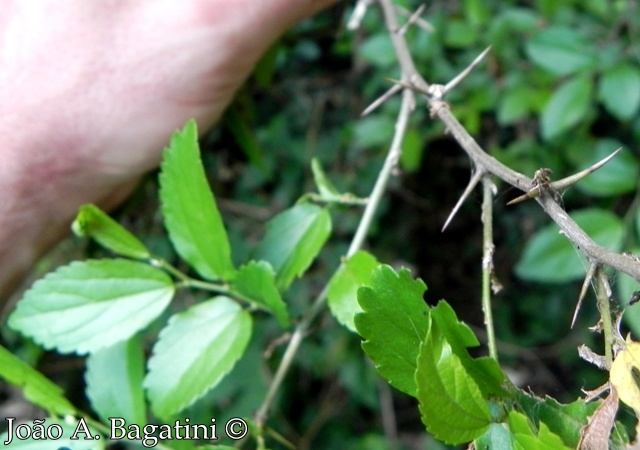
x=583, y=291
x=566, y=182
x=413, y=19
x=453, y=83
x=383, y=98
x=473, y=182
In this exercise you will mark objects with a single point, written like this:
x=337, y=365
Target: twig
x=487, y=262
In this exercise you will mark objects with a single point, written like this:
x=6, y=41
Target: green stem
x=604, y=306
x=487, y=262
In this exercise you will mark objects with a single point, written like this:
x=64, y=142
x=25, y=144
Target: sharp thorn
x=380, y=100
x=453, y=83
x=473, y=182
x=583, y=291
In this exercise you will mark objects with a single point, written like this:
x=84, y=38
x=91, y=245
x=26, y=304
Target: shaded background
x=560, y=89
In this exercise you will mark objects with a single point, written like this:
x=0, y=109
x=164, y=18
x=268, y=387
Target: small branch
x=487, y=262
x=412, y=19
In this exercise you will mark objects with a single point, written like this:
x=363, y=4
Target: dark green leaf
x=626, y=287
x=294, y=239
x=618, y=176
x=451, y=404
x=619, y=90
x=114, y=382
x=516, y=103
x=257, y=281
x=343, y=287
x=94, y=223
x=566, y=421
x=244, y=136
x=378, y=50
x=526, y=438
x=195, y=350
x=561, y=51
x=189, y=208
x=567, y=106
x=36, y=388
x=89, y=305
x=550, y=257
x=393, y=324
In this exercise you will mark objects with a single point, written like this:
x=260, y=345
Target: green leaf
x=619, y=90
x=525, y=437
x=516, y=103
x=189, y=208
x=393, y=324
x=326, y=189
x=195, y=351
x=293, y=240
x=626, y=287
x=451, y=404
x=566, y=421
x=257, y=281
x=114, y=382
x=561, y=51
x=245, y=136
x=36, y=388
x=618, y=176
x=378, y=50
x=549, y=256
x=497, y=436
x=343, y=287
x=63, y=428
x=567, y=106
x=92, y=222
x=89, y=305
x=485, y=371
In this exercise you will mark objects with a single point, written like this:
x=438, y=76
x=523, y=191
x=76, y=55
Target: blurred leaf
x=189, y=208
x=343, y=287
x=625, y=287
x=92, y=222
x=619, y=90
x=477, y=12
x=378, y=50
x=194, y=351
x=114, y=382
x=459, y=34
x=245, y=137
x=326, y=189
x=374, y=131
x=293, y=240
x=525, y=438
x=257, y=281
x=549, y=256
x=89, y=305
x=561, y=51
x=516, y=103
x=567, y=106
x=412, y=151
x=451, y=404
x=625, y=374
x=35, y=387
x=617, y=177
x=393, y=324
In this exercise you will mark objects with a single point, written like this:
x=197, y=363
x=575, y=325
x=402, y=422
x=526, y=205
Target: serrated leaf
x=93, y=304
x=195, y=350
x=561, y=51
x=36, y=388
x=293, y=240
x=326, y=189
x=257, y=281
x=92, y=222
x=189, y=208
x=484, y=371
x=343, y=287
x=451, y=404
x=565, y=420
x=114, y=382
x=496, y=437
x=393, y=324
x=619, y=90
x=567, y=106
x=526, y=438
x=618, y=176
x=549, y=256
x=66, y=431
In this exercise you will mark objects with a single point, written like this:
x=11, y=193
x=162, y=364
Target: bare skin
x=91, y=92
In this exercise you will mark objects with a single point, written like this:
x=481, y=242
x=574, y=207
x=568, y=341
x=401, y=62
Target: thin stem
x=356, y=243
x=603, y=297
x=487, y=262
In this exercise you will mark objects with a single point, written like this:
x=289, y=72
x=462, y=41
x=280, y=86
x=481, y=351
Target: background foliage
x=560, y=89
